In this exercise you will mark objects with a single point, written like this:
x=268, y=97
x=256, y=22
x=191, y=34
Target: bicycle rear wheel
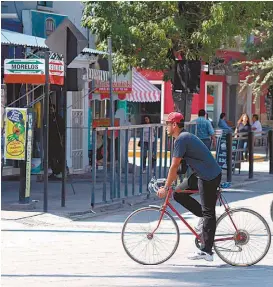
x=144, y=247
x=249, y=244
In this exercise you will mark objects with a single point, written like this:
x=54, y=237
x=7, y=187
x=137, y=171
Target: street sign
x=29, y=71
x=58, y=41
x=56, y=72
x=221, y=152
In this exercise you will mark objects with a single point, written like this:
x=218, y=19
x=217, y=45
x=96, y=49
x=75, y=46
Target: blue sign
x=15, y=116
x=43, y=24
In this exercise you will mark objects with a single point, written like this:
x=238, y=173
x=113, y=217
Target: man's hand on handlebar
x=162, y=192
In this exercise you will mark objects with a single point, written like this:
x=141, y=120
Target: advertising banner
x=30, y=71
x=15, y=133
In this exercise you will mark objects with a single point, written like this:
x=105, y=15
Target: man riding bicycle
x=190, y=148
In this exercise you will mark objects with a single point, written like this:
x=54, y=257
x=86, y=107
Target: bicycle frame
x=168, y=204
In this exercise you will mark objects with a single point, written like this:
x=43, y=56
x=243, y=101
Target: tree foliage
x=260, y=53
x=150, y=34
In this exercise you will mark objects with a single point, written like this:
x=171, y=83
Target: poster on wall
x=56, y=72
x=15, y=133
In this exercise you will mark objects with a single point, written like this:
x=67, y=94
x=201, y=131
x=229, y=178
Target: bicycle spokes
x=145, y=240
x=248, y=243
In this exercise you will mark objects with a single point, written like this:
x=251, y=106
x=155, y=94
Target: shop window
x=45, y=3
x=50, y=26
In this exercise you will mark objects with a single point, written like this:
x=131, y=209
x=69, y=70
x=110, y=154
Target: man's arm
x=211, y=132
x=172, y=175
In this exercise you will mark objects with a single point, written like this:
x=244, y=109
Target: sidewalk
x=79, y=203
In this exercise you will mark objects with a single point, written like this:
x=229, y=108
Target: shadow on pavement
x=187, y=275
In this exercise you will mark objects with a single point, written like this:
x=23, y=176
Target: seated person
x=222, y=124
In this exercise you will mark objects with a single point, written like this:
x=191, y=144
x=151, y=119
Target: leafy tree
x=150, y=34
x=261, y=71
x=146, y=34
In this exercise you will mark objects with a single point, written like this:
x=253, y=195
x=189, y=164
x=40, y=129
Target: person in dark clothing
x=146, y=140
x=189, y=147
x=55, y=143
x=243, y=126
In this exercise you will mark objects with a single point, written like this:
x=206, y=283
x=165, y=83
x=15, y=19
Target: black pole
x=46, y=121
x=112, y=120
x=270, y=146
x=229, y=156
x=22, y=164
x=22, y=188
x=250, y=156
x=111, y=82
x=64, y=94
x=186, y=94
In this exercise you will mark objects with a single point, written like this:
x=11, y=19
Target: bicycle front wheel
x=144, y=246
x=248, y=244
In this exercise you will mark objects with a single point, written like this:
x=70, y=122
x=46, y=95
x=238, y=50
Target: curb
x=20, y=206
x=106, y=208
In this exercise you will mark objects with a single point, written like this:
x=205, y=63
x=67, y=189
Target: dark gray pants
x=208, y=195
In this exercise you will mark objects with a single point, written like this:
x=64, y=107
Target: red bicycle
x=150, y=235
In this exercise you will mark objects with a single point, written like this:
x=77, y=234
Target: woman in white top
x=256, y=126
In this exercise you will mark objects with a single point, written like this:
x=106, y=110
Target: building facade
x=40, y=19
x=220, y=89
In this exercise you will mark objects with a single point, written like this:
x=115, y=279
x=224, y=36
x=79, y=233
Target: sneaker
x=201, y=255
x=199, y=226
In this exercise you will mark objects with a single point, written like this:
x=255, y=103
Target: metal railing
x=249, y=147
x=125, y=158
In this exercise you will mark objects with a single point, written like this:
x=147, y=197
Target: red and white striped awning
x=143, y=90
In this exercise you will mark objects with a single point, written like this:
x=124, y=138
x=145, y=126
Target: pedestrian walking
x=205, y=131
x=147, y=121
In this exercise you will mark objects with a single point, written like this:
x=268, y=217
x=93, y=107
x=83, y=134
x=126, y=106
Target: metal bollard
x=251, y=151
x=229, y=156
x=94, y=166
x=270, y=147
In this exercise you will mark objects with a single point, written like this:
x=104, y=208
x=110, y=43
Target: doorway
x=213, y=100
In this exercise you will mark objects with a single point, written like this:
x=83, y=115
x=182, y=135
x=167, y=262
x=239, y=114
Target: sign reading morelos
x=56, y=72
x=221, y=152
x=30, y=71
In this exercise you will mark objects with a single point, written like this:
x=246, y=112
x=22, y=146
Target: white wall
x=74, y=10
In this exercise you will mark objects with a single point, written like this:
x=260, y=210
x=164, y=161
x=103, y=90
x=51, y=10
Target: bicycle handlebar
x=155, y=184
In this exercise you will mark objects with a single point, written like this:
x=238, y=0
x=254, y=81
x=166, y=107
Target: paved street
x=46, y=250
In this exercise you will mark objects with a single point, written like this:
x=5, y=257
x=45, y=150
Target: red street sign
x=56, y=72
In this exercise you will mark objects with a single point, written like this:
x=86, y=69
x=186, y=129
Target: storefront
x=165, y=104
